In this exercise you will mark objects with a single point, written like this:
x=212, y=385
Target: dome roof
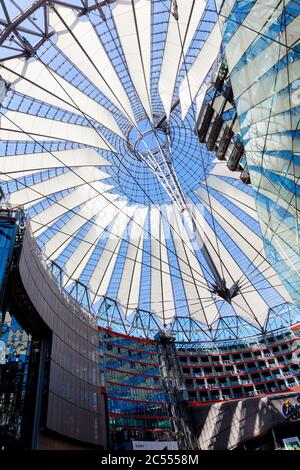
x=137, y=219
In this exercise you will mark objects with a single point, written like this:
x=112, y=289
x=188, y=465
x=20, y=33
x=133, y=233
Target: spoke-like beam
x=12, y=25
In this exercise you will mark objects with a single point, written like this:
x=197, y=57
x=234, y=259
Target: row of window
x=133, y=408
x=145, y=369
x=238, y=356
x=235, y=381
x=137, y=393
x=240, y=347
x=121, y=423
x=242, y=392
x=134, y=380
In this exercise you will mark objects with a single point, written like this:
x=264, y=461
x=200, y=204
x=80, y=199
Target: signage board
x=154, y=445
x=290, y=408
x=291, y=443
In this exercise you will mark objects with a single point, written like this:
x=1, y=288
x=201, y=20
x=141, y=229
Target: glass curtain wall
x=261, y=40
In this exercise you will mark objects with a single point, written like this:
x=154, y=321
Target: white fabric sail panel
x=74, y=266
x=234, y=227
x=77, y=262
x=78, y=196
x=197, y=73
x=129, y=289
x=248, y=303
x=179, y=37
x=200, y=98
x=178, y=230
x=101, y=278
x=21, y=126
x=133, y=23
x=238, y=197
x=57, y=243
x=195, y=286
x=209, y=238
x=205, y=236
x=220, y=169
x=258, y=20
x=251, y=303
x=18, y=165
x=52, y=89
x=161, y=283
x=252, y=308
x=14, y=176
x=94, y=62
x=78, y=177
x=249, y=243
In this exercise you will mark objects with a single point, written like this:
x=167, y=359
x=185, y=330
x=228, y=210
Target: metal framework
x=195, y=285
x=24, y=31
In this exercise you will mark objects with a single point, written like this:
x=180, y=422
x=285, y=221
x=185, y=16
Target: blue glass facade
x=19, y=349
x=261, y=41
x=8, y=231
x=138, y=405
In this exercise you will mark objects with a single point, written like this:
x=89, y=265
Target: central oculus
x=146, y=141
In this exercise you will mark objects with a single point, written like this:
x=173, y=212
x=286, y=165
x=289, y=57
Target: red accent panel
x=229, y=373
x=121, y=415
x=131, y=349
x=141, y=340
x=134, y=373
x=12, y=219
x=249, y=384
x=135, y=386
x=138, y=401
x=245, y=361
x=237, y=351
x=296, y=327
x=130, y=428
x=154, y=364
x=203, y=403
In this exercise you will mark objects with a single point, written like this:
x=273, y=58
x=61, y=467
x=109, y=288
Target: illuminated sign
x=291, y=443
x=291, y=409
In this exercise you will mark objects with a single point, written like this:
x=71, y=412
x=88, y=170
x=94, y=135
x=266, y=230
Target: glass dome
x=136, y=218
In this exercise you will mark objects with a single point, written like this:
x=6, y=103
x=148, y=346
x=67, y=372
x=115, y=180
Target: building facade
x=137, y=401
x=50, y=387
x=217, y=123
x=67, y=384
x=261, y=43
x=239, y=370
x=225, y=396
